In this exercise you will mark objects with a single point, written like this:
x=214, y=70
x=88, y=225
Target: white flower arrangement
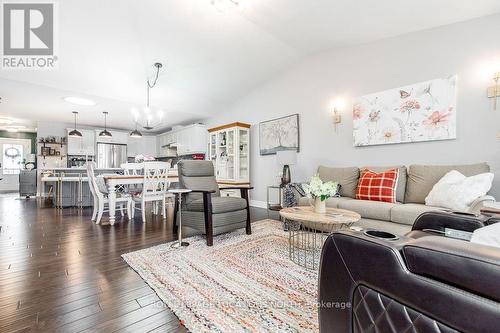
x=141, y=158
x=317, y=189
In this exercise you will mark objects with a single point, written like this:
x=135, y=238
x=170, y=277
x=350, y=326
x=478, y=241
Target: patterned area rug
x=241, y=284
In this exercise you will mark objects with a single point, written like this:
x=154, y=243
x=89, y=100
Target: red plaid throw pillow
x=377, y=186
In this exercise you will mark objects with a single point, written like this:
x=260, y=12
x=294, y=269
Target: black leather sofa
x=416, y=283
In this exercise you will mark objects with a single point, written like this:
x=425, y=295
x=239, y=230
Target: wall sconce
x=337, y=106
x=337, y=118
x=494, y=91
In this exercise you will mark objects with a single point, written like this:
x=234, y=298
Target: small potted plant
x=320, y=191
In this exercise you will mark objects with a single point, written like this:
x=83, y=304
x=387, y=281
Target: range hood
x=170, y=150
x=170, y=145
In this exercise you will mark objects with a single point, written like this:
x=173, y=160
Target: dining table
x=113, y=181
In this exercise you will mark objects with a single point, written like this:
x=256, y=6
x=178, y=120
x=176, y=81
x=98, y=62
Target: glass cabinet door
x=230, y=154
x=244, y=165
x=213, y=147
x=222, y=155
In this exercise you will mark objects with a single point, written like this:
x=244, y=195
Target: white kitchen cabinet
x=149, y=145
x=198, y=137
x=88, y=143
x=169, y=138
x=145, y=145
x=117, y=137
x=84, y=145
x=229, y=147
x=133, y=146
x=192, y=139
x=161, y=142
x=158, y=146
x=183, y=144
x=187, y=140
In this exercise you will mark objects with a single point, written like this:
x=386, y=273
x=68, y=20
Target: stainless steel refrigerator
x=111, y=155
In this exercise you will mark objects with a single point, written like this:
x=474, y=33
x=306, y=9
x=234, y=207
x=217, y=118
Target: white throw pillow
x=457, y=192
x=489, y=235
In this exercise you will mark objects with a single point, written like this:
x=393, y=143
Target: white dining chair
x=101, y=197
x=132, y=169
x=154, y=188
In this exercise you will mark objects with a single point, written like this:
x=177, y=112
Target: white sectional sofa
x=414, y=184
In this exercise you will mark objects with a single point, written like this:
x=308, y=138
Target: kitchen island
x=69, y=186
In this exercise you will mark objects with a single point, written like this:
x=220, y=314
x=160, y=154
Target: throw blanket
x=289, y=197
x=290, y=191
x=101, y=184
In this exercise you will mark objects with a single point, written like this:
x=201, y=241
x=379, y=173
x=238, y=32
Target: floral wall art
x=424, y=111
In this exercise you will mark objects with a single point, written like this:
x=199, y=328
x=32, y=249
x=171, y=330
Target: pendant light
x=135, y=133
x=105, y=133
x=75, y=133
x=148, y=123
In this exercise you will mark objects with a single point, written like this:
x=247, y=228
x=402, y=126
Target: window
x=12, y=157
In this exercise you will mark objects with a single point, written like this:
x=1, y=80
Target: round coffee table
x=308, y=231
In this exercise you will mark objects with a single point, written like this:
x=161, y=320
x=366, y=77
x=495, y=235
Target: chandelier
x=150, y=118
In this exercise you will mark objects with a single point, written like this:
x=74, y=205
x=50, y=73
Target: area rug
x=244, y=283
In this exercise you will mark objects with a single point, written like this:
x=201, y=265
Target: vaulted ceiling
x=212, y=57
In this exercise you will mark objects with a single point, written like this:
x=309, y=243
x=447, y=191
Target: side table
x=274, y=206
x=179, y=192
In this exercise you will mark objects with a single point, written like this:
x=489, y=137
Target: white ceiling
x=212, y=58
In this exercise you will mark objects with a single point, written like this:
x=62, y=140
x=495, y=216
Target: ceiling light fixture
x=149, y=124
x=75, y=133
x=136, y=134
x=80, y=101
x=105, y=133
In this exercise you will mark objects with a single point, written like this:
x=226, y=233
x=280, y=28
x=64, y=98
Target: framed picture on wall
x=45, y=151
x=425, y=111
x=279, y=134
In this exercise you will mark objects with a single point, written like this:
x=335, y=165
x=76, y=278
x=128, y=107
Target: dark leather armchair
x=204, y=209
x=428, y=284
x=437, y=222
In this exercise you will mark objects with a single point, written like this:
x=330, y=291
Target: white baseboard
x=258, y=204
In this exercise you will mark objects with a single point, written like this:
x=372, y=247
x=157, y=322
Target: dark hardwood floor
x=61, y=273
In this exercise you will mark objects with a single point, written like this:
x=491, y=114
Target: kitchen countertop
x=171, y=172
x=79, y=169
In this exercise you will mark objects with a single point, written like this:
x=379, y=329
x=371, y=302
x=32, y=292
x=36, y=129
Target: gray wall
x=466, y=49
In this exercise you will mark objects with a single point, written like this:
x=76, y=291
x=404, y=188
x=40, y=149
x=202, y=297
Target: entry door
x=12, y=154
